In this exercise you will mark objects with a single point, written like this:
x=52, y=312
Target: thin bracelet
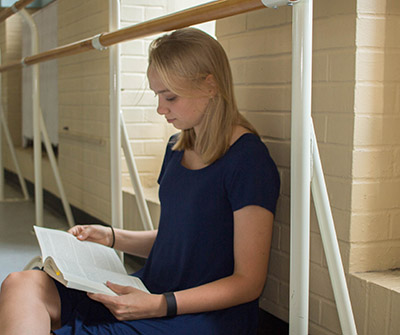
x=171, y=303
x=113, y=236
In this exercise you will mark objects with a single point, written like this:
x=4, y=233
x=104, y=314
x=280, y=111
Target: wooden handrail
x=191, y=16
x=4, y=14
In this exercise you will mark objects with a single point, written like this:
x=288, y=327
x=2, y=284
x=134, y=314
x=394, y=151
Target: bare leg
x=29, y=303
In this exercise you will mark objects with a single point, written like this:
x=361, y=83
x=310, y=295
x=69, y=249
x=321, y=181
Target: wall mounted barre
x=4, y=14
x=195, y=15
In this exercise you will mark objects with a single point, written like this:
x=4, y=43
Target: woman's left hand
x=131, y=303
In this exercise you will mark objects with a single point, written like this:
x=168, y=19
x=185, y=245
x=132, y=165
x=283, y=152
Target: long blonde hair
x=184, y=59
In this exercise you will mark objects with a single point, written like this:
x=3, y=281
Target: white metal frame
x=39, y=128
x=4, y=127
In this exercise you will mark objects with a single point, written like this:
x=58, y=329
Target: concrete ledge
x=375, y=300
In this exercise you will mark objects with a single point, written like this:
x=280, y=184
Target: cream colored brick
x=145, y=131
x=336, y=160
x=314, y=308
x=280, y=152
x=376, y=195
x=342, y=66
x=275, y=98
x=370, y=65
x=395, y=225
x=394, y=320
x=285, y=181
x=320, y=69
x=132, y=14
x=133, y=80
x=320, y=282
x=284, y=243
x=330, y=318
x=327, y=8
x=279, y=265
x=373, y=163
x=257, y=43
x=370, y=31
x=369, y=227
x=333, y=97
x=283, y=210
x=339, y=192
x=273, y=70
x=271, y=290
x=231, y=25
x=276, y=233
x=284, y=295
x=314, y=329
x=316, y=249
x=335, y=32
x=359, y=302
x=375, y=98
x=275, y=125
x=378, y=310
x=375, y=256
x=268, y=18
x=376, y=130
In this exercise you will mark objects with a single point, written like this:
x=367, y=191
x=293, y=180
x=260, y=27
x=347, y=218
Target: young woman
x=207, y=263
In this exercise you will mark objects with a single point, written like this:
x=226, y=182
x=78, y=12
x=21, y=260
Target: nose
x=161, y=109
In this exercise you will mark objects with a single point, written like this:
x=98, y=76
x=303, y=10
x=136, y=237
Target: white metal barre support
x=133, y=172
x=53, y=162
x=13, y=156
x=329, y=241
x=300, y=167
x=7, y=135
x=37, y=143
x=39, y=128
x=115, y=133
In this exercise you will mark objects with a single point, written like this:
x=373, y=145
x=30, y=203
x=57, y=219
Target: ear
x=211, y=85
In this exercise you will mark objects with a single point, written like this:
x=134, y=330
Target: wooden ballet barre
x=203, y=13
x=4, y=14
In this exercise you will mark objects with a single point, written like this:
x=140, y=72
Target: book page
x=82, y=259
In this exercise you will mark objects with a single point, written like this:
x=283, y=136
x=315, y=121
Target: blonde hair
x=184, y=59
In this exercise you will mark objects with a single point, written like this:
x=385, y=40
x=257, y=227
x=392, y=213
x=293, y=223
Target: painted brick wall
x=259, y=47
x=11, y=80
x=375, y=232
x=148, y=132
x=84, y=109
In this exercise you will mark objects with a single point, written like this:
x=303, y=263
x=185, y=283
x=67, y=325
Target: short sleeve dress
x=194, y=244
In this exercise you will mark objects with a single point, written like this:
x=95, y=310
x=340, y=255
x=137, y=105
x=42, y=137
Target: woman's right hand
x=93, y=233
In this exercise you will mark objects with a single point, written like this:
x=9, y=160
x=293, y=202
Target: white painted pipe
x=53, y=162
x=13, y=155
x=115, y=134
x=1, y=155
x=330, y=243
x=37, y=142
x=7, y=135
x=300, y=167
x=134, y=174
x=40, y=128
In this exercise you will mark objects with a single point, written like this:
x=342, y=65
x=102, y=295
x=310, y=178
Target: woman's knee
x=24, y=279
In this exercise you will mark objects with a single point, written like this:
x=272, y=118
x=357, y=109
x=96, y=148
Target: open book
x=82, y=265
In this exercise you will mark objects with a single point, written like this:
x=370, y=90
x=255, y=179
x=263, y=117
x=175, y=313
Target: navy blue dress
x=194, y=244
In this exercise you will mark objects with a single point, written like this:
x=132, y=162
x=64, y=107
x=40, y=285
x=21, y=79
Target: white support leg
x=53, y=162
x=329, y=241
x=13, y=156
x=133, y=172
x=39, y=128
x=1, y=154
x=300, y=167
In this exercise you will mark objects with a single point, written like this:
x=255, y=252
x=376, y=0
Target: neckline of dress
x=208, y=166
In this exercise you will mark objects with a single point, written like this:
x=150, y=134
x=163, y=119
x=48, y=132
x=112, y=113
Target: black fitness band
x=113, y=235
x=171, y=303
